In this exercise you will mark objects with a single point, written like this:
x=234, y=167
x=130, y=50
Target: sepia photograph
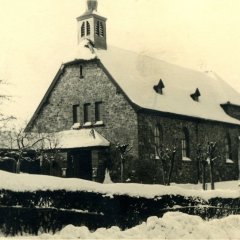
x=119, y=119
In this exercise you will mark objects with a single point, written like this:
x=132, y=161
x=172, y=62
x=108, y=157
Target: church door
x=82, y=164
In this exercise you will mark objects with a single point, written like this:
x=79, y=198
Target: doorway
x=80, y=163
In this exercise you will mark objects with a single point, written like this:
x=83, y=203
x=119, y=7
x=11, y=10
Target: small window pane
x=76, y=114
x=228, y=148
x=185, y=142
x=158, y=136
x=86, y=112
x=98, y=111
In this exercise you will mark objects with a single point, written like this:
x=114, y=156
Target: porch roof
x=80, y=139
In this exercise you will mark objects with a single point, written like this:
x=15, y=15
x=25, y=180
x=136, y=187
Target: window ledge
x=87, y=124
x=76, y=126
x=229, y=161
x=186, y=159
x=98, y=123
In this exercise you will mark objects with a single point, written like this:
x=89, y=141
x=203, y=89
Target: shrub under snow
x=173, y=225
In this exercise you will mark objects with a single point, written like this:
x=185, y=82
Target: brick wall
x=199, y=133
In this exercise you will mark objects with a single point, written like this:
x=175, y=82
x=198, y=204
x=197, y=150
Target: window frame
x=76, y=113
x=86, y=112
x=228, y=147
x=158, y=138
x=98, y=111
x=185, y=144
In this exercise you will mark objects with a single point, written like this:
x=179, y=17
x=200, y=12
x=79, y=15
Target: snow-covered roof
x=80, y=139
x=137, y=75
x=69, y=139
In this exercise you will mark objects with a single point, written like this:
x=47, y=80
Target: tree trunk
x=203, y=175
x=121, y=170
x=171, y=169
x=211, y=174
x=198, y=170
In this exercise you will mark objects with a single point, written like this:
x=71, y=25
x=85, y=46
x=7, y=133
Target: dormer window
x=83, y=29
x=159, y=88
x=195, y=96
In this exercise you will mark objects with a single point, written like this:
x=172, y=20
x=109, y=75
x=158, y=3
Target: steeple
x=92, y=26
x=92, y=5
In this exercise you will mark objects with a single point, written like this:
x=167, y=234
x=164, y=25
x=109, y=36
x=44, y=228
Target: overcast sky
x=35, y=35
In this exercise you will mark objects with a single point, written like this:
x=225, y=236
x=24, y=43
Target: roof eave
x=183, y=117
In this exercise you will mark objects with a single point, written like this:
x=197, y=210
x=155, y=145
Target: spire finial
x=92, y=5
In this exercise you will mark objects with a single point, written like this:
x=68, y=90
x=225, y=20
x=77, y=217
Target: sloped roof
x=137, y=74
x=82, y=138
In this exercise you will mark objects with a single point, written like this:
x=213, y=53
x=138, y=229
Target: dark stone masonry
x=123, y=123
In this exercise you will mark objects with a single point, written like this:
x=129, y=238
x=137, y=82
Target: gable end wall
x=119, y=117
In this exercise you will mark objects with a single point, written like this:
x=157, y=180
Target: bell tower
x=92, y=26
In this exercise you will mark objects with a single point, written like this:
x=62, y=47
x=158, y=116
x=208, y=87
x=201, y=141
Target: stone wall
x=121, y=124
x=119, y=118
x=200, y=132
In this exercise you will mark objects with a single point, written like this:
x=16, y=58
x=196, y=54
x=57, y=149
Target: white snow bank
x=173, y=225
x=27, y=182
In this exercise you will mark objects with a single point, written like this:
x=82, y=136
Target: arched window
x=158, y=138
x=185, y=144
x=88, y=28
x=83, y=29
x=101, y=30
x=228, y=147
x=97, y=28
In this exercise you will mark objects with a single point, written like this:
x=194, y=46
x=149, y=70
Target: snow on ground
x=173, y=225
x=27, y=182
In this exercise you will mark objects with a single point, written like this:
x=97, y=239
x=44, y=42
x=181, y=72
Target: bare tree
x=167, y=157
x=212, y=156
x=202, y=160
x=21, y=141
x=123, y=150
x=4, y=119
x=206, y=156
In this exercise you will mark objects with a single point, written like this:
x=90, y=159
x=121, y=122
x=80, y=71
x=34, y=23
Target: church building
x=105, y=97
